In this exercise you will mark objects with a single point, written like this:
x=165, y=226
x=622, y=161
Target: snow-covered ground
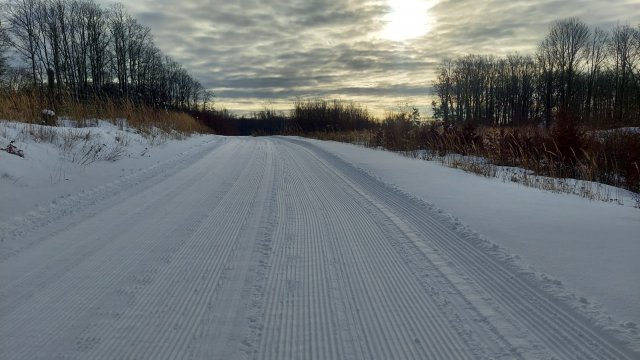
x=592, y=247
x=65, y=160
x=289, y=248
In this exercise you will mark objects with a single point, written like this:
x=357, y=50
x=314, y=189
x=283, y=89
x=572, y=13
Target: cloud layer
x=255, y=53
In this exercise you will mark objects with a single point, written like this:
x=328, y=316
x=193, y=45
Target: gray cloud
x=253, y=51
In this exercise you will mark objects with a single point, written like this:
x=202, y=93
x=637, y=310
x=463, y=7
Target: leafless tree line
x=4, y=45
x=78, y=48
x=589, y=74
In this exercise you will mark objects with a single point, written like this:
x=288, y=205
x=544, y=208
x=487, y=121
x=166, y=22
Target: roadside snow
x=61, y=161
x=586, y=251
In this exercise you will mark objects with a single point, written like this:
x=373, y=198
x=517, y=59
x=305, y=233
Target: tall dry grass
x=27, y=107
x=22, y=107
x=564, y=152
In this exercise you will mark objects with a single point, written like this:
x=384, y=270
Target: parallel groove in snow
x=444, y=327
x=200, y=264
x=46, y=216
x=369, y=281
x=565, y=333
x=53, y=303
x=284, y=284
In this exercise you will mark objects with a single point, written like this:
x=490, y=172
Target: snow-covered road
x=270, y=248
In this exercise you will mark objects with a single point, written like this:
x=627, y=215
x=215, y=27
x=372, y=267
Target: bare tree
x=624, y=53
x=119, y=34
x=546, y=85
x=98, y=41
x=22, y=20
x=4, y=46
x=207, y=100
x=596, y=55
x=636, y=73
x=566, y=43
x=443, y=90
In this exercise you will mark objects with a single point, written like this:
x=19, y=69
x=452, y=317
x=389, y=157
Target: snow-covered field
x=288, y=248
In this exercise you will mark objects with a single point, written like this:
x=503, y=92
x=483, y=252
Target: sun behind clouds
x=408, y=19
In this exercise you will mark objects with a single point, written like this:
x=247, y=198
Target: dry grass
x=25, y=107
x=363, y=138
x=19, y=107
x=547, y=159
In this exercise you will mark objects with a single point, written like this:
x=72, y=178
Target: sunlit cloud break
x=408, y=19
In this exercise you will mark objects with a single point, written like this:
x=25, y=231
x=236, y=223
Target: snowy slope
x=62, y=161
x=270, y=248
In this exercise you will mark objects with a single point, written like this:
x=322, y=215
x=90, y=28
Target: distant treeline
x=77, y=49
x=587, y=74
x=306, y=116
x=223, y=122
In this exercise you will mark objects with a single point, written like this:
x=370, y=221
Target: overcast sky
x=382, y=53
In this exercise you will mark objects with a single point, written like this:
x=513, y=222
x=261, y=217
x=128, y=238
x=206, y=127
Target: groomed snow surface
x=287, y=248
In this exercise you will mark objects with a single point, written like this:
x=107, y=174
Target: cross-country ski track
x=268, y=248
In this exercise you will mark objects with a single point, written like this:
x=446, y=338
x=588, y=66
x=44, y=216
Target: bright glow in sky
x=408, y=19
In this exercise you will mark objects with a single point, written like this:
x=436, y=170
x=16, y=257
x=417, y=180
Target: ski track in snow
x=268, y=248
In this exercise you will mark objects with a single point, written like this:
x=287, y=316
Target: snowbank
x=66, y=160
